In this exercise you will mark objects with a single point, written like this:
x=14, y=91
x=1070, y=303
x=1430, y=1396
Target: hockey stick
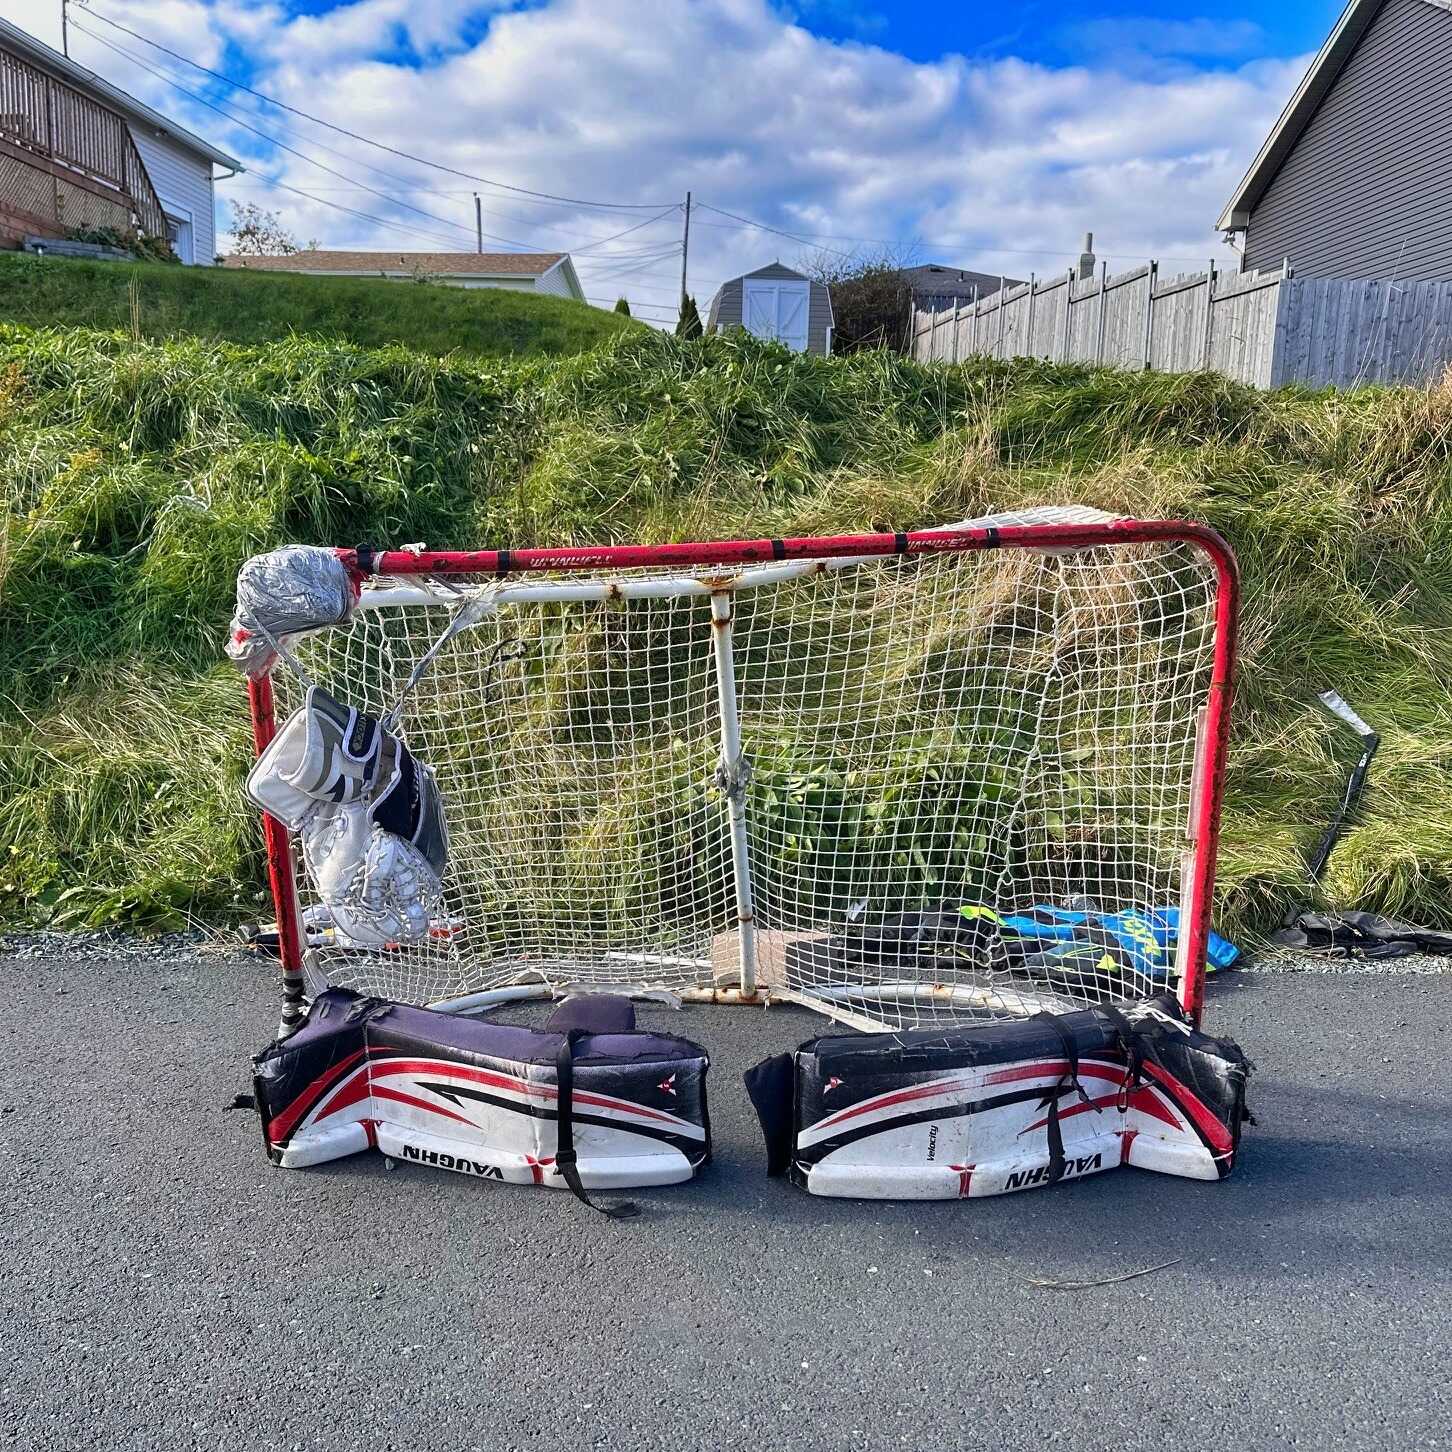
x=1355, y=784
x=1353, y=933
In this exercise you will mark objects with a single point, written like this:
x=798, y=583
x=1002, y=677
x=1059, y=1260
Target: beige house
x=546, y=272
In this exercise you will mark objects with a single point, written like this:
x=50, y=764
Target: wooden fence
x=1264, y=329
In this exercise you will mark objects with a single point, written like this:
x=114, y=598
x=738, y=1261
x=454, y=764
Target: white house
x=46, y=130
x=547, y=272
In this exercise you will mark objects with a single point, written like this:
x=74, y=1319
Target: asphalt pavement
x=161, y=1286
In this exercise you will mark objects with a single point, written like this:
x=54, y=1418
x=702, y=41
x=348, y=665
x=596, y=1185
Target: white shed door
x=778, y=310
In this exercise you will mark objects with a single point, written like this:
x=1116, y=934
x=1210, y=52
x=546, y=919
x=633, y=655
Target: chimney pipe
x=1086, y=258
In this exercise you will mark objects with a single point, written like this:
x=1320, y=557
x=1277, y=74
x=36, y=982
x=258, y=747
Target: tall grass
x=138, y=475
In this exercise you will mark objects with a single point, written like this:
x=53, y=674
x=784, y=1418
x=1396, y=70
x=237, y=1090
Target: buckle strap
x=1068, y=1083
x=566, y=1160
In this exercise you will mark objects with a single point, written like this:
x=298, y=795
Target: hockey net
x=835, y=780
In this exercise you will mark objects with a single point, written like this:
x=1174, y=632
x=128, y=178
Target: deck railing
x=76, y=135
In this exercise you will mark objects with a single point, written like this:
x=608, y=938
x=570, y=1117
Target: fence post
x=1103, y=291
x=1029, y=325
x=1149, y=311
x=956, y=305
x=1068, y=303
x=998, y=346
x=1209, y=312
x=973, y=342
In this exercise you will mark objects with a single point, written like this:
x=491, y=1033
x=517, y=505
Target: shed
x=775, y=302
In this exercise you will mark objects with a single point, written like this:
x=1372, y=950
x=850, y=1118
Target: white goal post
x=901, y=778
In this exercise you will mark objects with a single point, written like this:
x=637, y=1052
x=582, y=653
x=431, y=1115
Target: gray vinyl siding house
x=775, y=293
x=1355, y=181
x=936, y=288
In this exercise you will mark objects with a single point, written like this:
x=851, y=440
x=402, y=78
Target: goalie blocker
x=588, y=1102
x=951, y=1113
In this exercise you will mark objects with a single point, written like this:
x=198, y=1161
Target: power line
x=283, y=146
x=332, y=171
x=605, y=267
x=537, y=197
x=660, y=216
x=367, y=140
x=651, y=298
x=979, y=242
x=645, y=306
x=762, y=226
x=411, y=190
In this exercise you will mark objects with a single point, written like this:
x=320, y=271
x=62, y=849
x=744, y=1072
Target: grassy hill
x=156, y=301
x=137, y=476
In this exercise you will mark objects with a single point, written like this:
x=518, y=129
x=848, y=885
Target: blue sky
x=980, y=135
x=1203, y=32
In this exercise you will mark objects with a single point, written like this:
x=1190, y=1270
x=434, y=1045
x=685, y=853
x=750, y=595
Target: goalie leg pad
x=959, y=1113
x=481, y=1098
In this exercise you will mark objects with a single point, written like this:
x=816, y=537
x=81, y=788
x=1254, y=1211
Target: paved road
x=162, y=1287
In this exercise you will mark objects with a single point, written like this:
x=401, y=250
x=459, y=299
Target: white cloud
x=1000, y=164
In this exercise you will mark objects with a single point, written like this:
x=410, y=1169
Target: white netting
x=994, y=731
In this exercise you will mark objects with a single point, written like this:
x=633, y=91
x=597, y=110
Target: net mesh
x=931, y=747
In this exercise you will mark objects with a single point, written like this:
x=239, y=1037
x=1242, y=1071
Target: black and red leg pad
x=959, y=1112
x=482, y=1098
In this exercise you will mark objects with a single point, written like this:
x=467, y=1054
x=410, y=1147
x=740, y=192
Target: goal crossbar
x=394, y=582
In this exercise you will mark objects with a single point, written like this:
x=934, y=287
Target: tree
x=622, y=306
x=256, y=232
x=689, y=323
x=870, y=297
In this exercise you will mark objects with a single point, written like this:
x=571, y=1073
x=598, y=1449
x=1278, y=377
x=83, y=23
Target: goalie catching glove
x=950, y=1113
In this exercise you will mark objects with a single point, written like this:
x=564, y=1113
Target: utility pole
x=478, y=224
x=65, y=30
x=685, y=253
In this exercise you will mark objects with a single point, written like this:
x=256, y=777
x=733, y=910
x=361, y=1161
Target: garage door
x=777, y=310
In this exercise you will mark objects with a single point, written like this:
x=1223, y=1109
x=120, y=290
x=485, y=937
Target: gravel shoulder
x=162, y=1287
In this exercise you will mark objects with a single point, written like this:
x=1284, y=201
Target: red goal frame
x=1207, y=786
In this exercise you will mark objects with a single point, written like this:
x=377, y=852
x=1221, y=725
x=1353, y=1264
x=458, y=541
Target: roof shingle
x=437, y=264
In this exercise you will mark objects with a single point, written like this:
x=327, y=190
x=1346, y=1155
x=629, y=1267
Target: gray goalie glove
x=285, y=592
x=368, y=814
